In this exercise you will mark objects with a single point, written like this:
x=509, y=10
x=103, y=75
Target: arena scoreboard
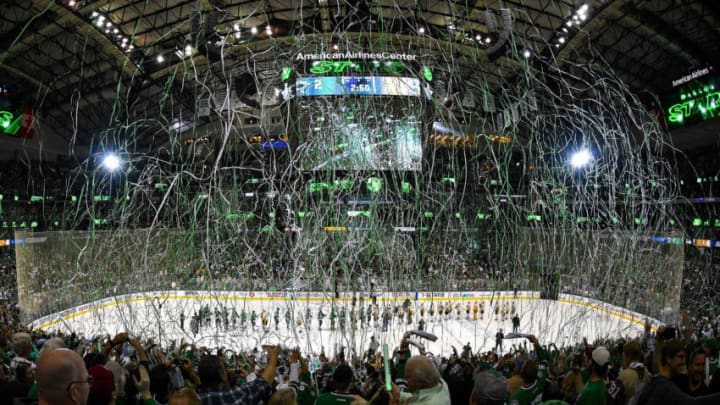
x=358, y=111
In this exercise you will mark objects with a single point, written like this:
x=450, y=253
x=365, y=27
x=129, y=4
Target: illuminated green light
x=6, y=124
x=319, y=186
x=33, y=224
x=682, y=97
x=36, y=198
x=493, y=182
x=482, y=216
x=448, y=180
x=427, y=73
x=5, y=224
x=405, y=187
x=302, y=214
x=1, y=197
x=252, y=181
x=286, y=71
x=717, y=223
x=23, y=224
x=533, y=217
x=697, y=222
x=101, y=198
x=423, y=228
x=161, y=186
x=582, y=220
x=640, y=221
x=374, y=184
x=699, y=180
x=232, y=216
x=266, y=229
x=16, y=198
x=672, y=222
x=271, y=215
x=344, y=184
x=458, y=215
x=428, y=214
x=56, y=223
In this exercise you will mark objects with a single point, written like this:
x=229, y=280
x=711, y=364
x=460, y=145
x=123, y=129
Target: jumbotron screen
x=378, y=132
x=358, y=114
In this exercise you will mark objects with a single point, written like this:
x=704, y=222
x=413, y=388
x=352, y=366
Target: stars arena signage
x=351, y=63
x=696, y=98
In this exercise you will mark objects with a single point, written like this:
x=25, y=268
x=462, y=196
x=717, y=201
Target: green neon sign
x=349, y=66
x=704, y=106
x=9, y=122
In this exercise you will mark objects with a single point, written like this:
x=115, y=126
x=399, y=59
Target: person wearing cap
x=489, y=389
x=103, y=386
x=662, y=390
x=594, y=391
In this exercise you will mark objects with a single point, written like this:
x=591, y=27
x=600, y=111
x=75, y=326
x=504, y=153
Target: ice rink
x=169, y=314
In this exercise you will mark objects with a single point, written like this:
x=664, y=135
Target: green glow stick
x=386, y=357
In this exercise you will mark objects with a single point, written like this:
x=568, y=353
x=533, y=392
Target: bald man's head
x=421, y=373
x=62, y=378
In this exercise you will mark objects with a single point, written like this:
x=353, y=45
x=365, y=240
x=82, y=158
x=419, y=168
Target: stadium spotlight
x=580, y=158
x=111, y=162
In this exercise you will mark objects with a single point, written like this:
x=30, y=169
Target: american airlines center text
x=355, y=55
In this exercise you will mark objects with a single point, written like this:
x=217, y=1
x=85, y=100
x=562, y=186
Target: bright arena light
x=111, y=162
x=580, y=158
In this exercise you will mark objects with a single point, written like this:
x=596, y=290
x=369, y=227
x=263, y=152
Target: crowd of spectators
x=667, y=366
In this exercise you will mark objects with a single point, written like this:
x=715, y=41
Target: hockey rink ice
x=151, y=314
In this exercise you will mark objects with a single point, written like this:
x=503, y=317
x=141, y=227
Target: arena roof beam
x=613, y=11
x=66, y=18
x=649, y=19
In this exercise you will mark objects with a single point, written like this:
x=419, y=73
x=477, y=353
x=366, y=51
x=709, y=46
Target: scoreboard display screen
x=357, y=85
x=358, y=115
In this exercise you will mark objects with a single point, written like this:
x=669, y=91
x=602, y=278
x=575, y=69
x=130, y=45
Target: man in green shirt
x=304, y=387
x=594, y=391
x=341, y=382
x=533, y=385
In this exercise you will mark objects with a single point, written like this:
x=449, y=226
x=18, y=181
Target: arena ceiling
x=90, y=64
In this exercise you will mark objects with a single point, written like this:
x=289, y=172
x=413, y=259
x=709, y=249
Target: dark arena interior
x=360, y=201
